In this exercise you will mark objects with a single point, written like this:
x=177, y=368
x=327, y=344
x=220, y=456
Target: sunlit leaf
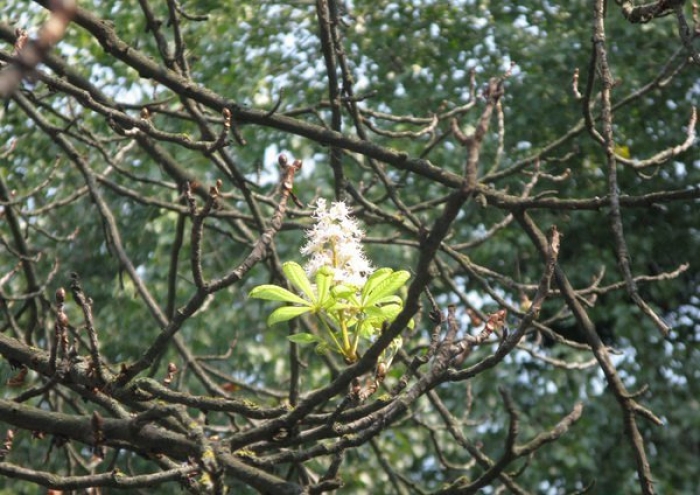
x=286, y=313
x=297, y=276
x=385, y=287
x=276, y=293
x=390, y=312
x=375, y=279
x=343, y=291
x=393, y=299
x=366, y=329
x=304, y=338
x=323, y=284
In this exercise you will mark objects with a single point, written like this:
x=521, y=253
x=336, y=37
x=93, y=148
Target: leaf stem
x=346, y=338
x=330, y=332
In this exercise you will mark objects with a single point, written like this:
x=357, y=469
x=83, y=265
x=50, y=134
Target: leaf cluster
x=351, y=317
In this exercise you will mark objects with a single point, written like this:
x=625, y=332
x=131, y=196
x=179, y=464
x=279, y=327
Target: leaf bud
x=62, y=320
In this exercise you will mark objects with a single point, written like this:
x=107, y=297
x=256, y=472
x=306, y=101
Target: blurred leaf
x=276, y=293
x=304, y=338
x=286, y=313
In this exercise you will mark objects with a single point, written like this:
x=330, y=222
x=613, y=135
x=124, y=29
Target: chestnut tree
x=349, y=247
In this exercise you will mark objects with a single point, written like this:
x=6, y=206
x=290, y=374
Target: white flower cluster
x=335, y=242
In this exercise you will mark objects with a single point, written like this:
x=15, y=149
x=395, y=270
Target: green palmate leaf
x=376, y=317
x=366, y=329
x=323, y=284
x=390, y=312
x=286, y=313
x=304, y=338
x=383, y=312
x=375, y=279
x=276, y=293
x=385, y=286
x=337, y=306
x=344, y=292
x=393, y=299
x=297, y=276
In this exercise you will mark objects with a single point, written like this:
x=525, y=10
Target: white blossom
x=335, y=242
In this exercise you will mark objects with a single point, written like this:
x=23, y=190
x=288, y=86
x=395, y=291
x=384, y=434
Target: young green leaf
x=385, y=286
x=342, y=291
x=390, y=312
x=297, y=276
x=286, y=313
x=366, y=329
x=324, y=277
x=275, y=293
x=376, y=278
x=393, y=299
x=304, y=338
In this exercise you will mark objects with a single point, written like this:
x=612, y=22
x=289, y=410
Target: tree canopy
x=354, y=247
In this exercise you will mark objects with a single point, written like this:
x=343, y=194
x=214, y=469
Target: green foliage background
x=412, y=58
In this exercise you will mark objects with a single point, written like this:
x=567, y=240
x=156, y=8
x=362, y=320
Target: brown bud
x=496, y=320
x=172, y=369
x=97, y=421
x=18, y=379
x=60, y=295
x=282, y=160
x=22, y=38
x=231, y=387
x=62, y=319
x=474, y=317
x=381, y=371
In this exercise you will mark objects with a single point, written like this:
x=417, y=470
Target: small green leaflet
x=381, y=284
x=304, y=338
x=297, y=276
x=276, y=293
x=286, y=313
